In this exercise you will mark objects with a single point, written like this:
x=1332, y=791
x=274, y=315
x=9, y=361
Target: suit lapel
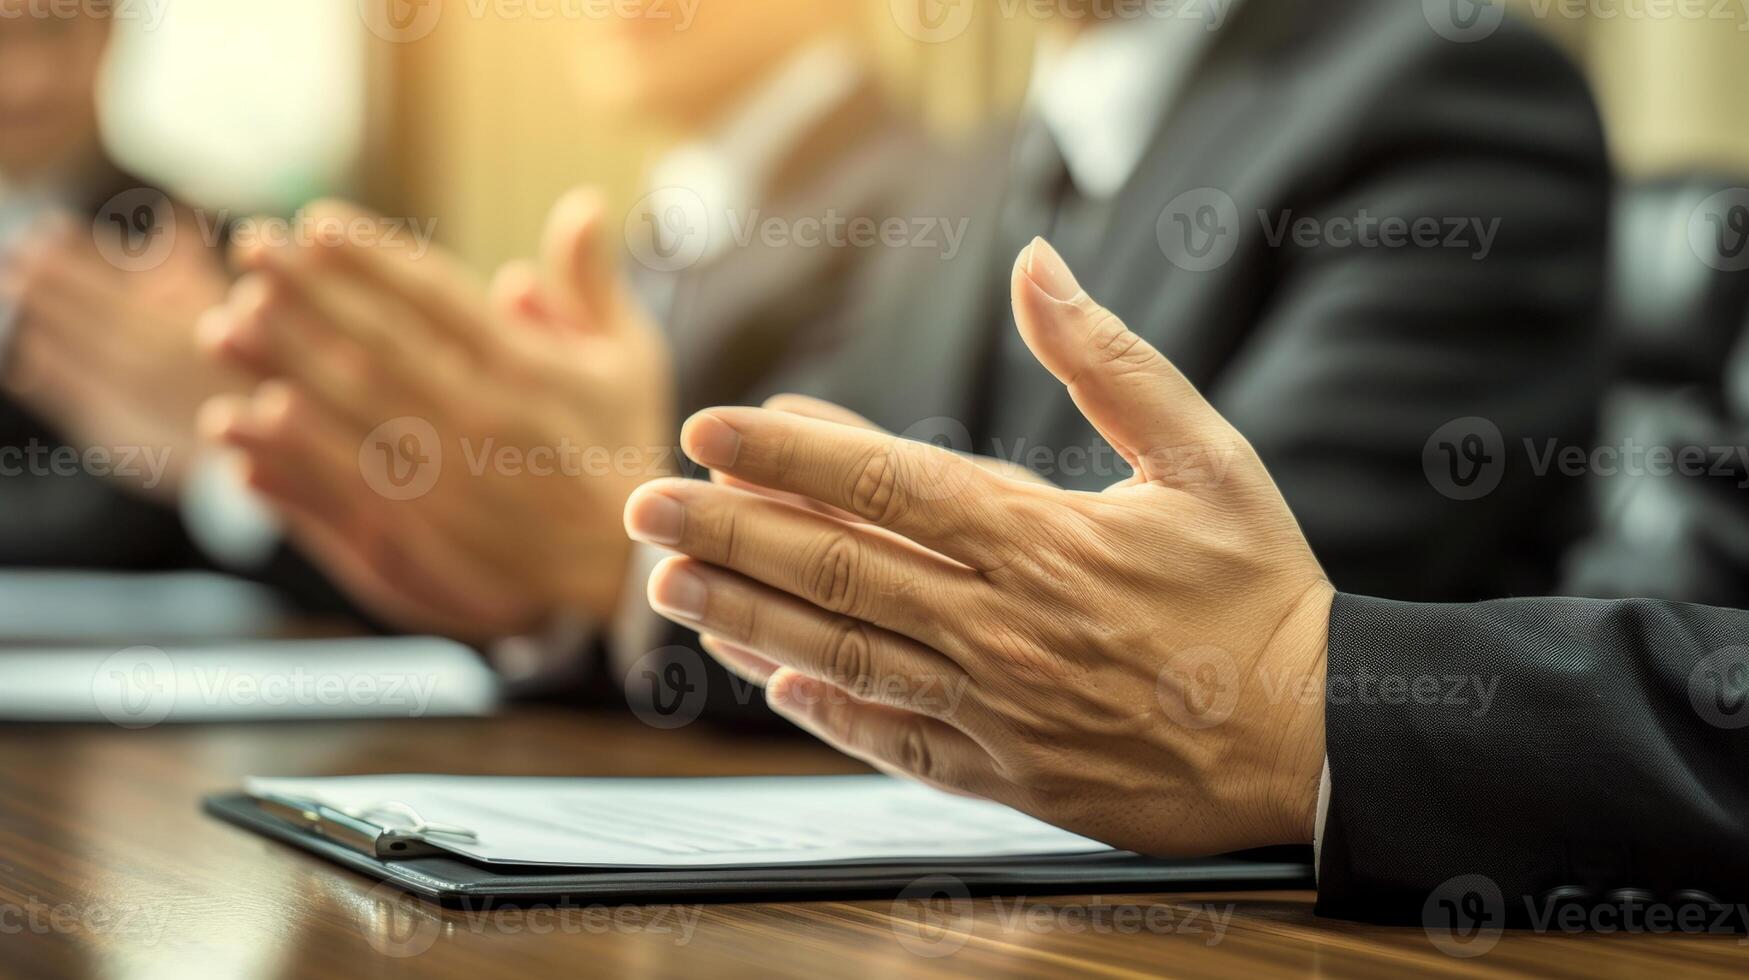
x=936, y=326
x=1128, y=271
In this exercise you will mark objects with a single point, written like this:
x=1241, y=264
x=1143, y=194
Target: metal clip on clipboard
x=356, y=830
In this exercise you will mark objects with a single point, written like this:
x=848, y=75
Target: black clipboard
x=453, y=881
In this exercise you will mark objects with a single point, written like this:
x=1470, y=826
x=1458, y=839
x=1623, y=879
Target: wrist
x=1299, y=656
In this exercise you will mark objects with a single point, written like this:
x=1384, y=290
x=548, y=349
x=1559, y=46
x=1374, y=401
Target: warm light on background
x=265, y=103
x=253, y=106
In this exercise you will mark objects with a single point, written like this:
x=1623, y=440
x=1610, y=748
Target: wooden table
x=107, y=868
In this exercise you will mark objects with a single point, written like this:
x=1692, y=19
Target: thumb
x=1139, y=402
x=580, y=266
x=516, y=294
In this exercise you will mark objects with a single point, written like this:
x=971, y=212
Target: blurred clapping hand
x=457, y=456
x=108, y=354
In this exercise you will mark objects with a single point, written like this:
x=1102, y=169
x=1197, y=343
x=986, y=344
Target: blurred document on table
x=75, y=606
x=141, y=686
x=730, y=822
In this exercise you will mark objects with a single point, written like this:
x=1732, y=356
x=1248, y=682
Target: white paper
x=142, y=686
x=694, y=823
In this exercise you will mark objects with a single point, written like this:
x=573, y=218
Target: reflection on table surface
x=108, y=868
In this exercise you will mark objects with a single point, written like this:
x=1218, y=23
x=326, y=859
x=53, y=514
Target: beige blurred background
x=475, y=122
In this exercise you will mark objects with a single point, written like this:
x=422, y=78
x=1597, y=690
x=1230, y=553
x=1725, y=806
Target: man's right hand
x=457, y=458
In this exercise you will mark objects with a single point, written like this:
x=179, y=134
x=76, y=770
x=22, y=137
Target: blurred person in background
x=101, y=280
x=1669, y=471
x=1226, y=176
x=1230, y=176
x=567, y=361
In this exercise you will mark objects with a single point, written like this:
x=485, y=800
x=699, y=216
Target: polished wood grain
x=107, y=868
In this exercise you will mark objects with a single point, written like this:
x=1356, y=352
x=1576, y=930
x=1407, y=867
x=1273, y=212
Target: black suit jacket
x=1607, y=766
x=1338, y=363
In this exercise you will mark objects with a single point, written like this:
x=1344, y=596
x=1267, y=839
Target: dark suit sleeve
x=1364, y=352
x=1552, y=749
x=56, y=514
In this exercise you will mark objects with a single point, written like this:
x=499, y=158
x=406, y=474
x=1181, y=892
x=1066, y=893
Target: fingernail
x=656, y=518
x=213, y=329
x=711, y=442
x=738, y=657
x=1049, y=272
x=788, y=689
x=679, y=593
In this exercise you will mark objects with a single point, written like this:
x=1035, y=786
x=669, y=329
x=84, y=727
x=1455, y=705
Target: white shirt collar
x=727, y=170
x=1104, y=95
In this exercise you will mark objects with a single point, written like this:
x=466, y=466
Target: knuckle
x=723, y=530
x=874, y=490
x=380, y=552
x=355, y=366
x=786, y=453
x=831, y=579
x=737, y=619
x=1112, y=342
x=913, y=753
x=281, y=411
x=850, y=660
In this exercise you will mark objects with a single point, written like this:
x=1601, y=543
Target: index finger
x=923, y=492
x=444, y=293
